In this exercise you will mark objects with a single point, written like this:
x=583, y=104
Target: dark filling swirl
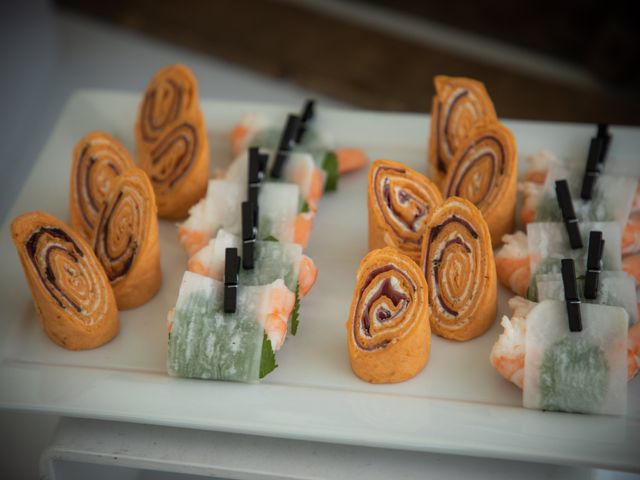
x=432, y=265
x=40, y=249
x=168, y=95
x=399, y=300
x=174, y=155
x=116, y=244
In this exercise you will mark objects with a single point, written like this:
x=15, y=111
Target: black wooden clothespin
x=572, y=301
x=306, y=116
x=568, y=213
x=249, y=234
x=603, y=132
x=231, y=268
x=595, y=160
x=284, y=147
x=256, y=171
x=594, y=264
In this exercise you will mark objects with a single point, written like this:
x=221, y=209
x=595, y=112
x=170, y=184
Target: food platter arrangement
x=447, y=236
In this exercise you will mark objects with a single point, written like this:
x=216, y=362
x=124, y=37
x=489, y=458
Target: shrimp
x=508, y=353
x=307, y=275
x=244, y=131
x=512, y=263
x=191, y=233
x=302, y=228
x=275, y=312
x=531, y=193
x=538, y=165
x=631, y=265
x=631, y=234
x=350, y=159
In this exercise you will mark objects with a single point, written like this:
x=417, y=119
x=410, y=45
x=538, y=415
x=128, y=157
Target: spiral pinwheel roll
x=72, y=295
x=457, y=261
x=400, y=202
x=388, y=332
x=98, y=159
x=125, y=240
x=485, y=171
x=172, y=142
x=457, y=105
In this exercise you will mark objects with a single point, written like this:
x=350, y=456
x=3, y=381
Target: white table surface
x=46, y=56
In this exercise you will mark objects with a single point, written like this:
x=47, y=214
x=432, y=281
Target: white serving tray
x=458, y=404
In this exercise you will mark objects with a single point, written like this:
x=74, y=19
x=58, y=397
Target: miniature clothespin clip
x=306, y=116
x=286, y=142
x=568, y=213
x=249, y=234
x=572, y=301
x=231, y=268
x=256, y=170
x=603, y=132
x=594, y=264
x=595, y=160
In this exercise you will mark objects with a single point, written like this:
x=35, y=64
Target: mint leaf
x=305, y=207
x=330, y=165
x=268, y=359
x=295, y=314
x=270, y=238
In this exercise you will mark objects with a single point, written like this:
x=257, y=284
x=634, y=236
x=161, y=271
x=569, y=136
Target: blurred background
x=575, y=61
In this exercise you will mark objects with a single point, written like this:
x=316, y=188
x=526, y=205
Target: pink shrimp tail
x=307, y=276
x=536, y=176
x=631, y=235
x=192, y=240
x=512, y=263
x=317, y=189
x=302, y=228
x=351, y=159
x=281, y=301
x=631, y=265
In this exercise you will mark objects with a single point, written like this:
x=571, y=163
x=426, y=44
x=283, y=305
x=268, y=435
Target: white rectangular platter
x=457, y=404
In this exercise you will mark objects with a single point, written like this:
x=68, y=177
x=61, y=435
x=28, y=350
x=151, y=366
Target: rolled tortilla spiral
x=72, y=295
x=484, y=171
x=457, y=105
x=172, y=142
x=400, y=202
x=458, y=265
x=126, y=240
x=388, y=327
x=98, y=159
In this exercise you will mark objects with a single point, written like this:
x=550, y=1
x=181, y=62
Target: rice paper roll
x=205, y=342
x=615, y=289
x=580, y=372
x=548, y=244
x=388, y=333
x=611, y=200
x=263, y=132
x=272, y=260
x=400, y=201
x=222, y=208
x=299, y=168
